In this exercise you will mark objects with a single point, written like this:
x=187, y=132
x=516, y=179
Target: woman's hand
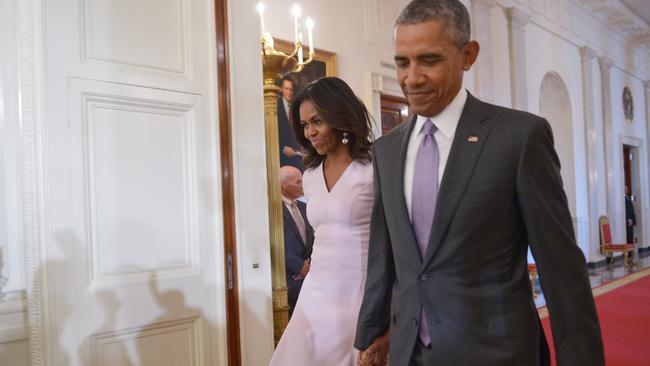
x=376, y=354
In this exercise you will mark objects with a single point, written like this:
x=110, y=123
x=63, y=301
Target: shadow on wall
x=111, y=306
x=176, y=319
x=171, y=337
x=65, y=243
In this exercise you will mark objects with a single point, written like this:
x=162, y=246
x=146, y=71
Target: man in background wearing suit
x=298, y=234
x=289, y=149
x=630, y=218
x=461, y=191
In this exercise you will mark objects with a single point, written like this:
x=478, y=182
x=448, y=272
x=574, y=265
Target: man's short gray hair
x=453, y=12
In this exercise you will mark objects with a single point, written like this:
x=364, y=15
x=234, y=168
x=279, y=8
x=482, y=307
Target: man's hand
x=376, y=354
x=630, y=222
x=303, y=271
x=289, y=151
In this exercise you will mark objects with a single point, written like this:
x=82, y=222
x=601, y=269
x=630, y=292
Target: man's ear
x=470, y=53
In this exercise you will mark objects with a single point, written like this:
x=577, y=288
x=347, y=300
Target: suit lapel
x=396, y=187
x=309, y=235
x=466, y=148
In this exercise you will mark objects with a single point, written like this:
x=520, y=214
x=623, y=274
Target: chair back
x=605, y=232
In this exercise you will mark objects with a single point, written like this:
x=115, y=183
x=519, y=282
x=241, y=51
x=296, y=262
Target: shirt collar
x=447, y=120
x=287, y=201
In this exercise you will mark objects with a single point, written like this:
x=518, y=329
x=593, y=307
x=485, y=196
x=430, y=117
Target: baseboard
x=642, y=252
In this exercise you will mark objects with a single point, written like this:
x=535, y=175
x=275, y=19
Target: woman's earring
x=345, y=138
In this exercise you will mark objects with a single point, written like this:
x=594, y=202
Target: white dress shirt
x=446, y=123
x=286, y=107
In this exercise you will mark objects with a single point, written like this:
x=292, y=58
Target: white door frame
x=376, y=85
x=642, y=194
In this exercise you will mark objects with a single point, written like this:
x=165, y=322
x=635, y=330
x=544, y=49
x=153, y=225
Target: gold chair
x=608, y=249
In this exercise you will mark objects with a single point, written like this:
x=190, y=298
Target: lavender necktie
x=423, y=200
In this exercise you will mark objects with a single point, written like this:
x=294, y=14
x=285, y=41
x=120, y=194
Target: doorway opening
x=631, y=189
x=394, y=111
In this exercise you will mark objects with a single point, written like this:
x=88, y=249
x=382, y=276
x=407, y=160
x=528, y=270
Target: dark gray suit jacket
x=295, y=251
x=497, y=196
x=286, y=138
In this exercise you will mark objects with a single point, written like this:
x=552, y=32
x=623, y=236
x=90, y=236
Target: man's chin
x=426, y=112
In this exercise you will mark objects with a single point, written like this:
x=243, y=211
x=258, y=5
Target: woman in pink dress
x=334, y=129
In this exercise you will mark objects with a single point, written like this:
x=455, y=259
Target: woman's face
x=321, y=136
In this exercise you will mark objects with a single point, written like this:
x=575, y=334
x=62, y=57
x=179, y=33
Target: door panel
x=134, y=255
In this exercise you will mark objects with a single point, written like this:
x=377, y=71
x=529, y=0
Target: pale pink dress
x=321, y=330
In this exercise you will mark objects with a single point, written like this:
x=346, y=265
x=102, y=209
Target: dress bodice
x=340, y=217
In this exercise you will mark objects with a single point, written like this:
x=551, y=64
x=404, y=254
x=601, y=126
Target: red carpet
x=624, y=311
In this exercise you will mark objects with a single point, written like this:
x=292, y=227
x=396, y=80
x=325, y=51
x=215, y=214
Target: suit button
x=414, y=321
x=424, y=277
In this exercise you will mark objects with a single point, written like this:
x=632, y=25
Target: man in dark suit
x=298, y=234
x=630, y=218
x=461, y=191
x=289, y=148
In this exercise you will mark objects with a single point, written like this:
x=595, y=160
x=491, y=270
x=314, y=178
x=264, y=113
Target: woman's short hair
x=341, y=110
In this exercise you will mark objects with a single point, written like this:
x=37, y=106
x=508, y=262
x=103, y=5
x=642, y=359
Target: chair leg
x=609, y=259
x=625, y=254
x=533, y=281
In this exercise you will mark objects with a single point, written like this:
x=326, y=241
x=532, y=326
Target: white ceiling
x=640, y=8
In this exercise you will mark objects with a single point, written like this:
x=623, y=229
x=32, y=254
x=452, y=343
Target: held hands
x=303, y=272
x=376, y=354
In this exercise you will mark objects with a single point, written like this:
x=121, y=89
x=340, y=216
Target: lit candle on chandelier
x=260, y=9
x=300, y=57
x=296, y=14
x=310, y=34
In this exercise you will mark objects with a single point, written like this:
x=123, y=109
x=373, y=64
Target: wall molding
x=87, y=46
x=376, y=85
x=621, y=19
x=192, y=326
x=565, y=30
x=30, y=29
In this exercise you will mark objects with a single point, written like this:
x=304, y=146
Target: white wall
x=255, y=308
x=569, y=139
x=554, y=35
x=634, y=133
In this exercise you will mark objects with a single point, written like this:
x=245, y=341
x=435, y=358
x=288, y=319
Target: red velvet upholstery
x=606, y=246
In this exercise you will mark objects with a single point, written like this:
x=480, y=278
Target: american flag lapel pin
x=472, y=138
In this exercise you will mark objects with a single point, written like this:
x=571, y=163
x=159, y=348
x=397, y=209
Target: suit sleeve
x=560, y=262
x=292, y=261
x=374, y=315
